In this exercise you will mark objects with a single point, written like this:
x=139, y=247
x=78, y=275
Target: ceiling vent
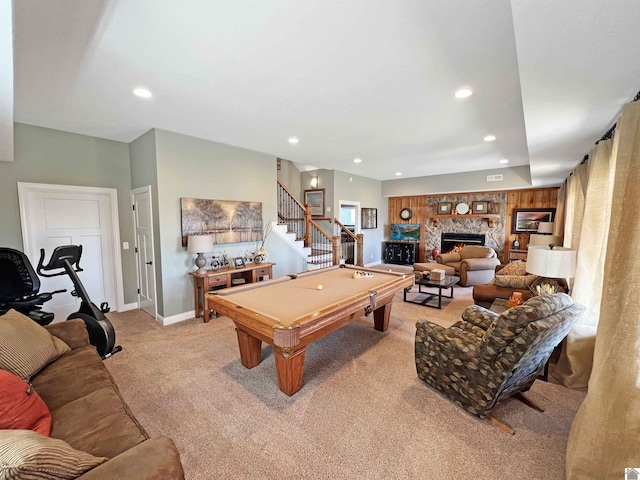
x=494, y=178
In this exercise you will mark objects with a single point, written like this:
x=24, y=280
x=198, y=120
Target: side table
x=225, y=278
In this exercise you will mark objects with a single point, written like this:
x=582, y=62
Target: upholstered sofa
x=473, y=264
x=486, y=357
x=511, y=278
x=93, y=433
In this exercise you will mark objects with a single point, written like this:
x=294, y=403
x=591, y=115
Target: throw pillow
x=514, y=281
x=21, y=406
x=25, y=346
x=27, y=455
x=513, y=268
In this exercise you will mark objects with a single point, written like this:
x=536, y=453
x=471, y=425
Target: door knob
x=149, y=263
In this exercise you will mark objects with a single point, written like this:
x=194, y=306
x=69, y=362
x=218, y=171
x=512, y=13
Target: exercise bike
x=101, y=332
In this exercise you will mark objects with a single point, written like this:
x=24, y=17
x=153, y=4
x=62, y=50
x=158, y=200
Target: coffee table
x=424, y=281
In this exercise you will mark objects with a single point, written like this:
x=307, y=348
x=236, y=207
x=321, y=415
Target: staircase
x=296, y=227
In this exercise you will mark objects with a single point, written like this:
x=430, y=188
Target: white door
x=55, y=215
x=143, y=225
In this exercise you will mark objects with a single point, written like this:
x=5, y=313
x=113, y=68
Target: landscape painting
x=407, y=232
x=227, y=221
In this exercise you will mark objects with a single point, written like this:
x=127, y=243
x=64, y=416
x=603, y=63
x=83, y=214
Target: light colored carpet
x=361, y=413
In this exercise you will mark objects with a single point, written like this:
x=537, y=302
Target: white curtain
x=605, y=435
x=574, y=366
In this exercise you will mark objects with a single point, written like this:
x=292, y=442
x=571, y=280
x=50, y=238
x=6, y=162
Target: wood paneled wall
x=418, y=205
x=529, y=198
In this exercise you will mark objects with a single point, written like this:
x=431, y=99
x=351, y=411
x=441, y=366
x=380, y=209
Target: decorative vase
x=435, y=253
x=261, y=255
x=516, y=299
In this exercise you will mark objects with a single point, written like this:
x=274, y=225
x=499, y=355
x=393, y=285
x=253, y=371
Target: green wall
x=50, y=156
x=195, y=168
x=367, y=192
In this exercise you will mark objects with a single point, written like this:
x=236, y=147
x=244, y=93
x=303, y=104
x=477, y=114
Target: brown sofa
x=484, y=295
x=473, y=264
x=89, y=413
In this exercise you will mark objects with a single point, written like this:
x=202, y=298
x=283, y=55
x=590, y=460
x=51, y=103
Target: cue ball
x=320, y=287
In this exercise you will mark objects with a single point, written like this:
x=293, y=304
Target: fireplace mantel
x=489, y=216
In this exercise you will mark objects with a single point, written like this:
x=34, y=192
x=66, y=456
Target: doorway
x=55, y=215
x=144, y=248
x=350, y=218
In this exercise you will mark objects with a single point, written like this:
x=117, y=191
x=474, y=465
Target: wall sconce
x=314, y=181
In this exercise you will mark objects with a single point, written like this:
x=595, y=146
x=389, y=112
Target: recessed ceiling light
x=398, y=174
x=293, y=140
x=489, y=138
x=357, y=160
x=504, y=160
x=142, y=92
x=463, y=93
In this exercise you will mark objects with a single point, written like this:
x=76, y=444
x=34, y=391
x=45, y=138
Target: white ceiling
x=372, y=79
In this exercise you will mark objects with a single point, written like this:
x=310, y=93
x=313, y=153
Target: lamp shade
x=200, y=243
x=545, y=227
x=558, y=262
x=537, y=240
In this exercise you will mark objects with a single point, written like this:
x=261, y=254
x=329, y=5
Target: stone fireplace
x=453, y=242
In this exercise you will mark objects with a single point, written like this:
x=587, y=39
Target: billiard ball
x=320, y=287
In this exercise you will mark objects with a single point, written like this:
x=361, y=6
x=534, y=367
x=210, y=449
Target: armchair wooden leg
x=501, y=425
x=520, y=396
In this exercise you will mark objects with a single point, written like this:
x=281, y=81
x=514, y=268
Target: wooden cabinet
x=400, y=253
x=224, y=278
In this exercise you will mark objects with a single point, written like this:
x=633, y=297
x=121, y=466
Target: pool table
x=290, y=312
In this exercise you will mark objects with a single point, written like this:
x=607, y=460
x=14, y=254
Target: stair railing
x=351, y=244
x=325, y=249
x=299, y=220
x=291, y=212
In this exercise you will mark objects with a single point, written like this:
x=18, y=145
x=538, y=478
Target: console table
x=224, y=278
x=401, y=253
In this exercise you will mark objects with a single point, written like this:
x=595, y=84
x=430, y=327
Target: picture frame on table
x=444, y=208
x=315, y=198
x=369, y=218
x=527, y=220
x=238, y=262
x=480, y=207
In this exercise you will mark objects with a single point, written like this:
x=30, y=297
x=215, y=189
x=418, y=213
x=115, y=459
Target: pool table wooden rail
x=289, y=342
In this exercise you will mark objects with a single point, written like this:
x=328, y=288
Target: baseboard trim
x=128, y=306
x=181, y=317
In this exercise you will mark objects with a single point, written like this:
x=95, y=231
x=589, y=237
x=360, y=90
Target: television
x=405, y=232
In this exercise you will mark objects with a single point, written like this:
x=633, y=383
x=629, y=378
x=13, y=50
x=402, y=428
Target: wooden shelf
x=489, y=216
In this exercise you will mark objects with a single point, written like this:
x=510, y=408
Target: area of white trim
x=128, y=306
x=24, y=187
x=180, y=317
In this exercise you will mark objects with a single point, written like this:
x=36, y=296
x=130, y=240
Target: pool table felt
x=288, y=301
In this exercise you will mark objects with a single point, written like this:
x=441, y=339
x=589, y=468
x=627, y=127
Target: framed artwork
x=227, y=221
x=479, y=207
x=526, y=220
x=406, y=232
x=444, y=208
x=369, y=218
x=238, y=262
x=315, y=198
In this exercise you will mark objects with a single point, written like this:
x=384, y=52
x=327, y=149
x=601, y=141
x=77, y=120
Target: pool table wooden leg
x=289, y=370
x=250, y=349
x=381, y=317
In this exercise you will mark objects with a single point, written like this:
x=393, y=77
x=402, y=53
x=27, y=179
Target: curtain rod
x=609, y=133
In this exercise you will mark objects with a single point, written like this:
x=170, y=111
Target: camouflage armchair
x=487, y=357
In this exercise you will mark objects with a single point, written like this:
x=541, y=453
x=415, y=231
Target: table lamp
x=545, y=236
x=200, y=244
x=551, y=262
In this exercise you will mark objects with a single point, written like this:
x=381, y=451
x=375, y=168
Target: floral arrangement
x=545, y=289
